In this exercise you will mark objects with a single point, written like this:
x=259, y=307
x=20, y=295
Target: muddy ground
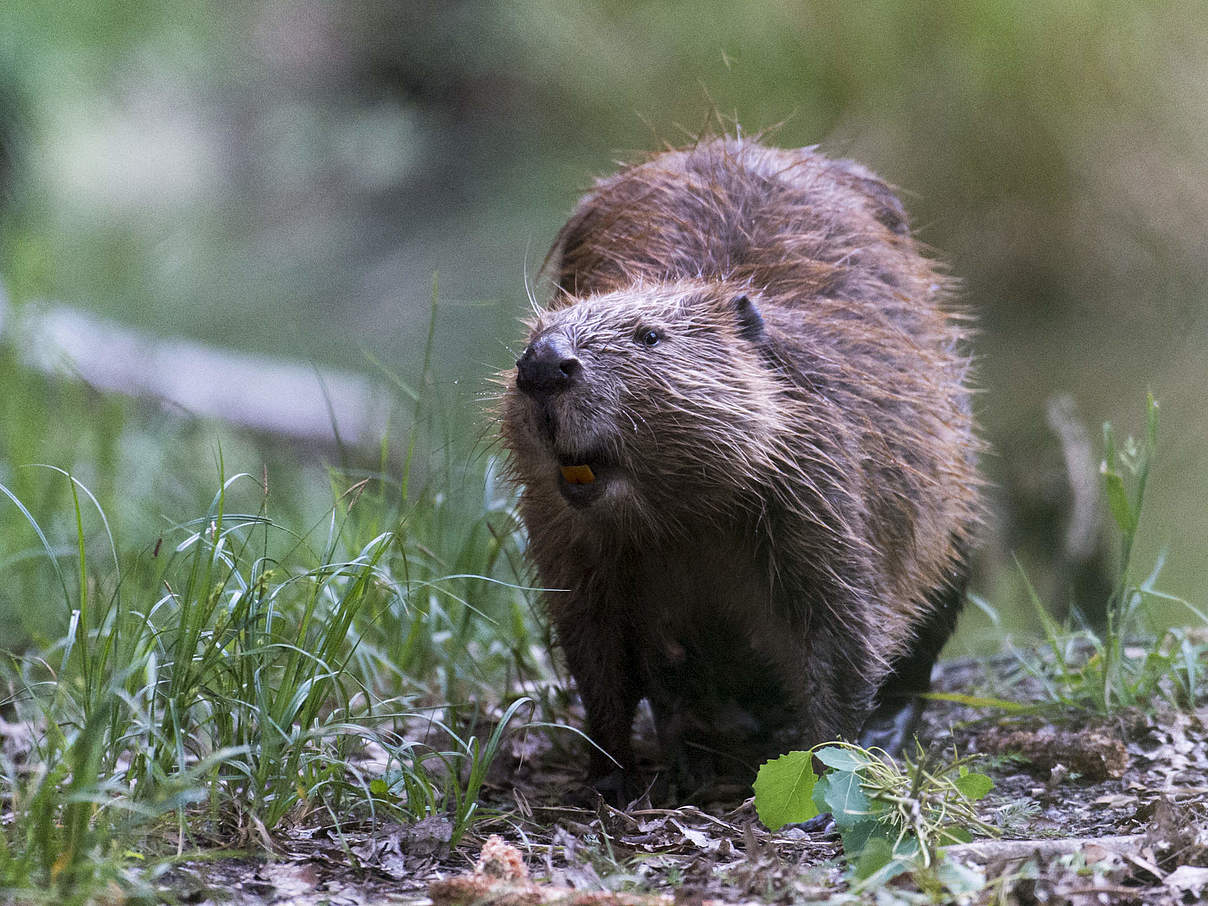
x=1111, y=811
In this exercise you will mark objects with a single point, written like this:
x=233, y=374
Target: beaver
x=742, y=434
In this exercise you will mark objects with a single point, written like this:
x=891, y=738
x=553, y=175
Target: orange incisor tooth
x=578, y=474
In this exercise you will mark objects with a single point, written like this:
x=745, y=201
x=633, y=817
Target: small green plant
x=235, y=674
x=1129, y=663
x=253, y=665
x=891, y=819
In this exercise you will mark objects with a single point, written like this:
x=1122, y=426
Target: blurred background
x=284, y=181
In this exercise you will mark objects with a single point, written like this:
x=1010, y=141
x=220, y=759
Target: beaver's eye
x=649, y=337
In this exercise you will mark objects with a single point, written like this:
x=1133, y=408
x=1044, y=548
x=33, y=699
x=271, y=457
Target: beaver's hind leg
x=899, y=706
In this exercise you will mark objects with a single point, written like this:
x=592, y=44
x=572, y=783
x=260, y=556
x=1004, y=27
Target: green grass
x=230, y=669
x=1133, y=661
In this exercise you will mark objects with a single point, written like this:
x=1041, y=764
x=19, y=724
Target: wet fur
x=791, y=481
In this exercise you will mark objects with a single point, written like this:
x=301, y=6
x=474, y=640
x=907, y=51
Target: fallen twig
x=987, y=850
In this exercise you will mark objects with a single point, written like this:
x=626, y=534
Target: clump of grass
x=1129, y=663
x=236, y=674
x=246, y=669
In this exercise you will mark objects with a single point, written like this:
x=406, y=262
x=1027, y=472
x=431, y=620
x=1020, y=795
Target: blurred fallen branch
x=270, y=395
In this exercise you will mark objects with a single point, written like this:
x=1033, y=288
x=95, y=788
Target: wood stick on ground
x=986, y=850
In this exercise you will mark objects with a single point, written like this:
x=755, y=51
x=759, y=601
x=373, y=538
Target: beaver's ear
x=750, y=321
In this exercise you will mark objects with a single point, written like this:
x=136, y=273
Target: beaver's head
x=653, y=396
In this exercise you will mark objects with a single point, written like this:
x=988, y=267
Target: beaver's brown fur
x=754, y=361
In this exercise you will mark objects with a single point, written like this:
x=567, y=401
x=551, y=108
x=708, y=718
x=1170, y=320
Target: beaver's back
x=790, y=222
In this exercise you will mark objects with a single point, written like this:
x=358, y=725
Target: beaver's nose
x=547, y=367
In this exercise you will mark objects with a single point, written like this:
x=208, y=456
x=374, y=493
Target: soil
x=1106, y=811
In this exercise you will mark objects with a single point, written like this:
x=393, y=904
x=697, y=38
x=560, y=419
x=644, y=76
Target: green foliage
x=235, y=677
x=240, y=668
x=784, y=790
x=1129, y=663
x=891, y=819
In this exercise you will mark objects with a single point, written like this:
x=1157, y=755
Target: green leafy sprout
x=1129, y=663
x=891, y=819
x=359, y=658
